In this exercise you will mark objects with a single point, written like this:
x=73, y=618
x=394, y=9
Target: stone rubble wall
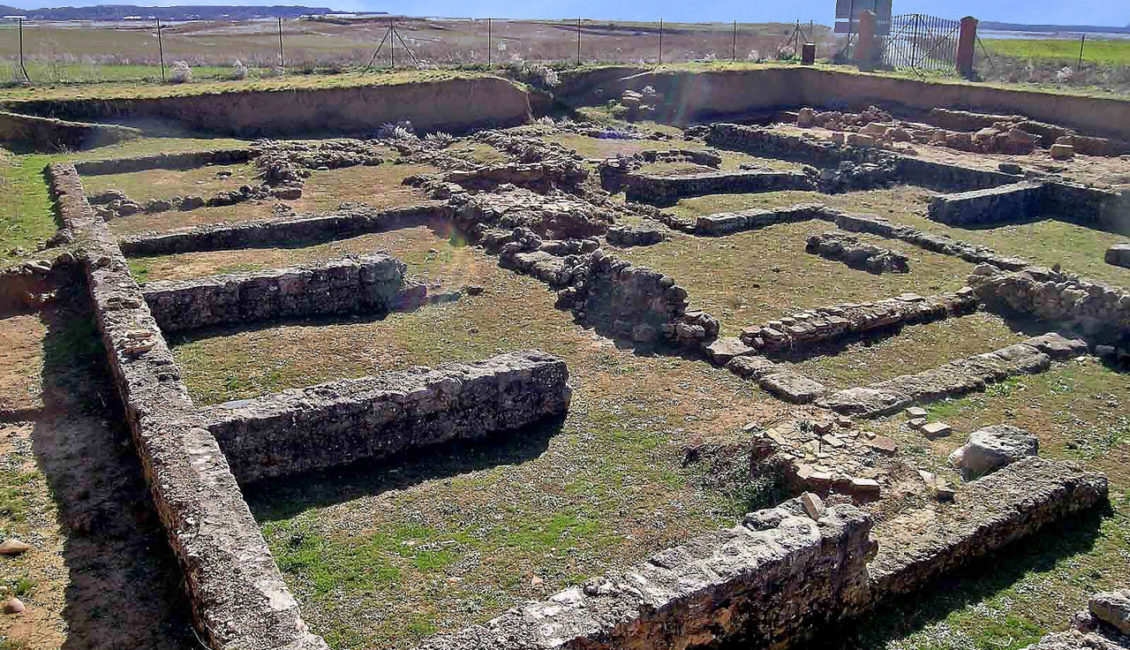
x=1100, y=312
x=946, y=177
x=343, y=422
x=988, y=515
x=953, y=379
x=237, y=594
x=267, y=233
x=857, y=254
x=661, y=190
x=772, y=581
x=1105, y=209
x=171, y=161
x=825, y=324
x=351, y=285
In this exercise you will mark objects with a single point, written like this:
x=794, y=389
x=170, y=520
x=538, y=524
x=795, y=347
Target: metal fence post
x=27, y=77
x=578, y=41
x=161, y=49
x=489, y=42
x=1082, y=41
x=734, y=44
x=282, y=61
x=660, y=41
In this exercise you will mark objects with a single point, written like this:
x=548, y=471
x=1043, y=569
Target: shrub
x=180, y=73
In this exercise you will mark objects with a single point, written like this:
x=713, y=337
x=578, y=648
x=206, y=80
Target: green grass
x=1115, y=52
x=26, y=211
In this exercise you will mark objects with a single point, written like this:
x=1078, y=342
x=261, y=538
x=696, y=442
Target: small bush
x=239, y=71
x=180, y=73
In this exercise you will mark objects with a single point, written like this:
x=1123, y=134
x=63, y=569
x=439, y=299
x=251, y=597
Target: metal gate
x=920, y=42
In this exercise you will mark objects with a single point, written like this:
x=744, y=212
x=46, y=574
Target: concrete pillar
x=965, y=45
x=865, y=47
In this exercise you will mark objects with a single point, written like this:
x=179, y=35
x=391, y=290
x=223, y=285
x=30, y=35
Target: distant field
x=86, y=52
x=1115, y=52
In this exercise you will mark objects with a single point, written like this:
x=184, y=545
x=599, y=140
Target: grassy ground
x=753, y=277
x=379, y=187
x=435, y=255
x=1103, y=52
x=385, y=555
x=26, y=213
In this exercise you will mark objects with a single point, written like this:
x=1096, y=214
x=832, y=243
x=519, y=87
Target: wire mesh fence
x=77, y=51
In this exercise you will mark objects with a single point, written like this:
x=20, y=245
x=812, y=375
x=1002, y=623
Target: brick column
x=865, y=49
x=965, y=45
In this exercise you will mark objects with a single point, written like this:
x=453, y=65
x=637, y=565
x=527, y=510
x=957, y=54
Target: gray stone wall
x=991, y=513
x=174, y=161
x=825, y=324
x=375, y=417
x=238, y=596
x=953, y=379
x=851, y=251
x=351, y=285
x=1100, y=312
x=1004, y=203
x=660, y=190
x=268, y=233
x=727, y=223
x=769, y=582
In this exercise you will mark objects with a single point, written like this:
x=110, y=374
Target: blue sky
x=1074, y=12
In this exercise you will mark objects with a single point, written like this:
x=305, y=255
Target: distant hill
x=1078, y=29
x=181, y=12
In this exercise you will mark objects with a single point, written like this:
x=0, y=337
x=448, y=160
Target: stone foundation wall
x=173, y=161
x=375, y=417
x=769, y=582
x=238, y=596
x=991, y=513
x=285, y=231
x=352, y=285
x=728, y=223
x=1003, y=203
x=47, y=134
x=856, y=254
x=667, y=190
x=821, y=153
x=826, y=324
x=1100, y=312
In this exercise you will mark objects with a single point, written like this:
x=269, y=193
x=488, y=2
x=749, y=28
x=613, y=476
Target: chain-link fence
x=54, y=51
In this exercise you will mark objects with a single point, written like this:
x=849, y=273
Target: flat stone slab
x=1004, y=203
x=792, y=387
x=724, y=349
x=992, y=448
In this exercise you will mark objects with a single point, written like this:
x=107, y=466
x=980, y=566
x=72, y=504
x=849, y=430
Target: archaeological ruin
x=468, y=363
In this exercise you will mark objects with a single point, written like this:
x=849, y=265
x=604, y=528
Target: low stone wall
x=238, y=596
x=856, y=254
x=1100, y=312
x=826, y=154
x=1093, y=206
x=728, y=223
x=375, y=417
x=351, y=285
x=47, y=134
x=953, y=379
x=1003, y=203
x=667, y=190
x=267, y=233
x=172, y=161
x=770, y=582
x=990, y=513
x=1118, y=255
x=825, y=324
